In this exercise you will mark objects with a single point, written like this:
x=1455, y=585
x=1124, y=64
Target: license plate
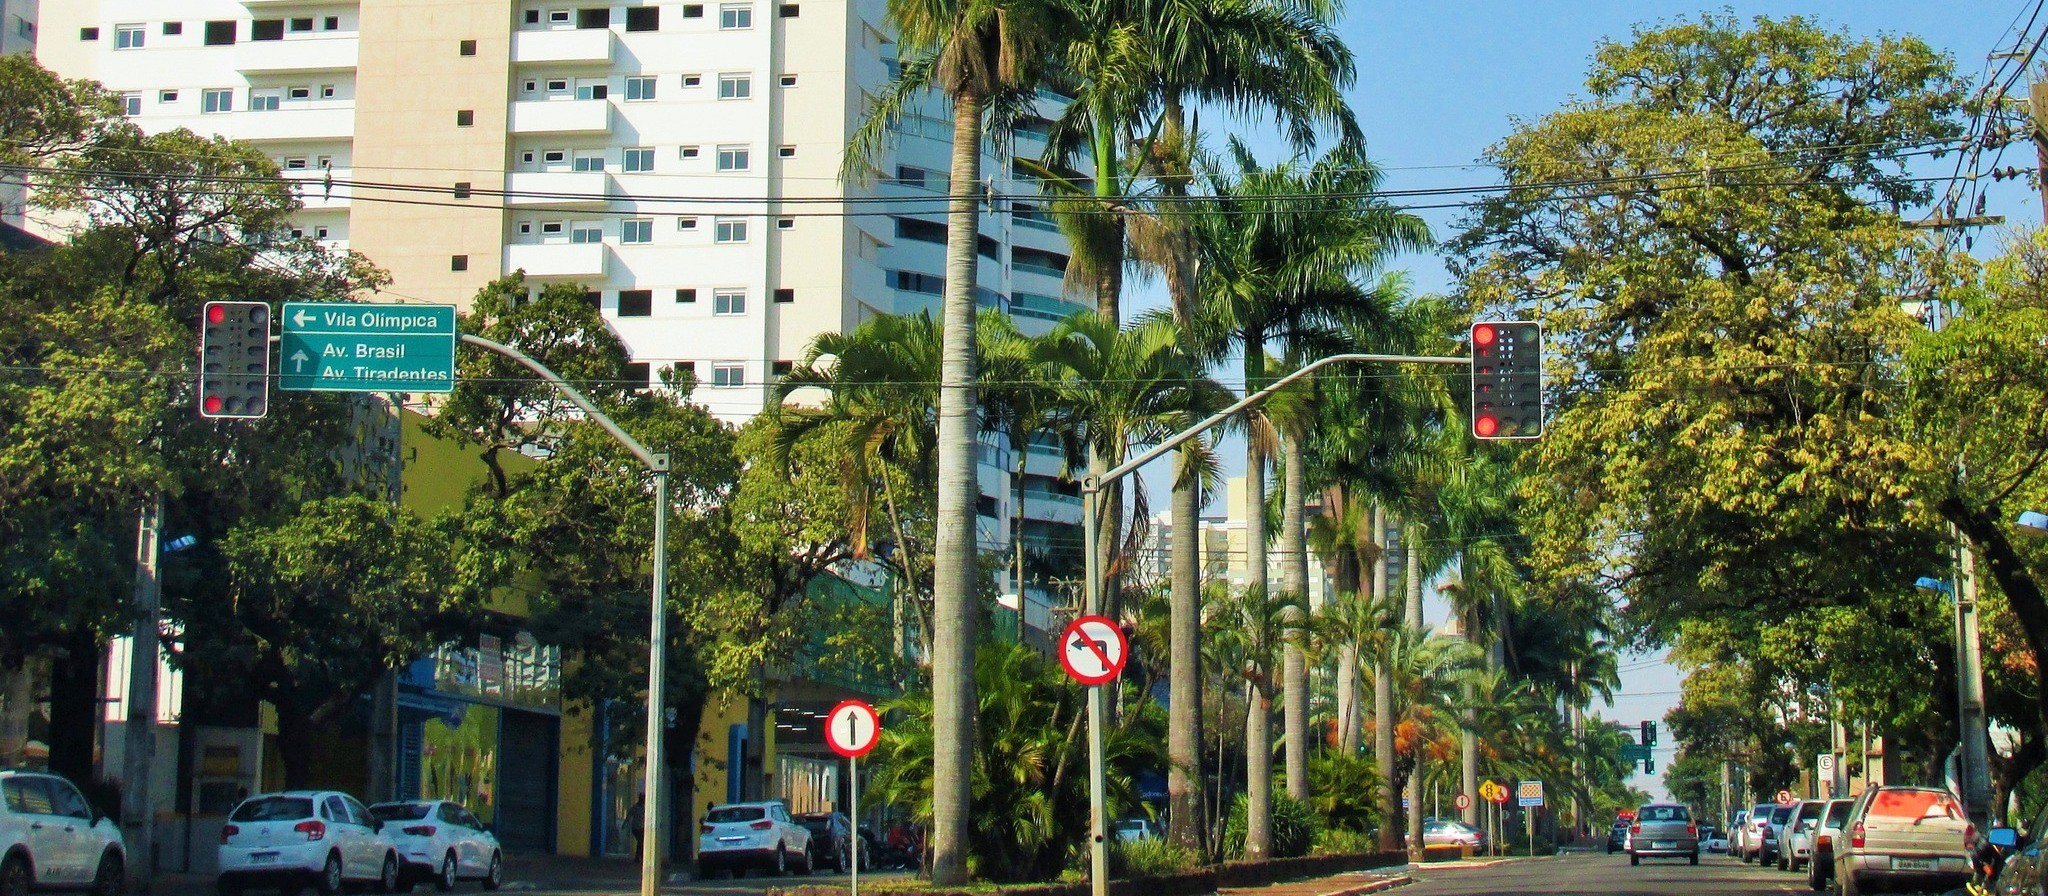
x=1663, y=844
x=1915, y=865
x=262, y=858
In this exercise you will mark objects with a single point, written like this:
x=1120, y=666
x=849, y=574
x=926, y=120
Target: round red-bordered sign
x=1464, y=802
x=1093, y=650
x=852, y=728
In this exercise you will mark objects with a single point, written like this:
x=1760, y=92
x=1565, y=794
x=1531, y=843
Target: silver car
x=1904, y=838
x=1663, y=829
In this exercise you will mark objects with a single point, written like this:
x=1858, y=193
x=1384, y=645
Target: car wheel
x=1813, y=881
x=1634, y=859
x=1695, y=858
x=445, y=881
x=781, y=866
x=107, y=880
x=329, y=883
x=494, y=877
x=387, y=877
x=15, y=876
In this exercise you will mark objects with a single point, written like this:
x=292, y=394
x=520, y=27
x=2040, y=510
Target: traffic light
x=1507, y=380
x=234, y=360
x=1649, y=734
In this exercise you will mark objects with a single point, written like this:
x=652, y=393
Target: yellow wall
x=573, y=798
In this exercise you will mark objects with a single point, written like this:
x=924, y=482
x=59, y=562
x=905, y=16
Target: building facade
x=19, y=24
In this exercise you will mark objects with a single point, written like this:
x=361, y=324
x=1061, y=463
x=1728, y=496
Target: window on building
x=264, y=101
x=465, y=48
x=529, y=86
x=685, y=373
x=532, y=17
x=785, y=223
x=734, y=158
x=987, y=247
x=217, y=100
x=319, y=233
x=730, y=376
x=787, y=10
x=131, y=104
x=295, y=163
x=782, y=368
x=170, y=28
x=686, y=223
x=692, y=80
x=465, y=118
x=461, y=190
x=526, y=227
x=735, y=16
x=458, y=262
x=912, y=281
x=735, y=86
x=640, y=88
x=636, y=302
x=301, y=24
x=693, y=10
x=167, y=96
x=920, y=230
x=586, y=232
x=640, y=230
x=787, y=80
x=787, y=152
x=686, y=152
x=551, y=227
x=128, y=37
x=327, y=91
x=298, y=93
x=88, y=34
x=910, y=176
x=554, y=156
x=594, y=299
x=639, y=158
x=595, y=91
x=558, y=85
x=597, y=17
x=785, y=296
x=643, y=18
x=728, y=301
x=730, y=230
x=330, y=23
x=266, y=29
x=638, y=375
x=686, y=296
x=558, y=17
x=589, y=161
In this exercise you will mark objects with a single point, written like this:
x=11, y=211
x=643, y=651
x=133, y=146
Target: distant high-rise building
x=18, y=23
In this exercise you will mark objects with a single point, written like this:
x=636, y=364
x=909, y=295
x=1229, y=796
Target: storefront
x=481, y=725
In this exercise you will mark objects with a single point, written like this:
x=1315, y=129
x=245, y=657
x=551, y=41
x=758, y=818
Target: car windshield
x=274, y=808
x=1838, y=813
x=1808, y=811
x=1913, y=805
x=400, y=811
x=732, y=814
x=815, y=822
x=1130, y=825
x=1663, y=813
x=1781, y=815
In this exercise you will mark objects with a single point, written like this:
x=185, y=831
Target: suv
x=831, y=840
x=1904, y=838
x=53, y=839
x=289, y=839
x=1663, y=829
x=740, y=835
x=439, y=840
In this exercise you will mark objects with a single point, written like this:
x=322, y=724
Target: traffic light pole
x=1091, y=496
x=657, y=629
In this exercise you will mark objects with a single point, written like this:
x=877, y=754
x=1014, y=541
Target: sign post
x=1093, y=650
x=366, y=347
x=1824, y=774
x=851, y=730
x=1529, y=794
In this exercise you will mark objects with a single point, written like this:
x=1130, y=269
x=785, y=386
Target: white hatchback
x=297, y=837
x=53, y=839
x=442, y=842
x=737, y=836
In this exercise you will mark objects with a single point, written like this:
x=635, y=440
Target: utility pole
x=1975, y=765
x=2037, y=101
x=138, y=811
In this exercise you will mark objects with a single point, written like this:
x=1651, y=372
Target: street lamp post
x=1092, y=490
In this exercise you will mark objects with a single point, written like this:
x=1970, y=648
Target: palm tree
x=1342, y=535
x=975, y=52
x=1248, y=630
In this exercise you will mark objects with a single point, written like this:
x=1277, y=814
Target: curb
x=1374, y=887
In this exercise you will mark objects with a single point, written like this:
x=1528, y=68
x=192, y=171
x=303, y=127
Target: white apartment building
x=18, y=24
x=1223, y=546
x=679, y=159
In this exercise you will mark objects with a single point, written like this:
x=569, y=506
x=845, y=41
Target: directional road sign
x=366, y=347
x=852, y=728
x=1529, y=793
x=1093, y=649
x=1635, y=753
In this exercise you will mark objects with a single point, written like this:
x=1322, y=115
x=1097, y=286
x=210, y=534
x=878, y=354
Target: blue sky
x=1440, y=82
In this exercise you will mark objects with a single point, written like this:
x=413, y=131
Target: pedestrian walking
x=636, y=824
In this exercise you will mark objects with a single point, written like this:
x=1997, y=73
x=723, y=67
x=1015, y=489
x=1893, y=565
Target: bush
x=1151, y=857
x=1342, y=790
x=1295, y=827
x=1342, y=841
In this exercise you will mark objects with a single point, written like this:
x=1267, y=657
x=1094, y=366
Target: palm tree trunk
x=1294, y=556
x=953, y=589
x=1411, y=558
x=1258, y=766
x=1184, y=653
x=1383, y=701
x=1258, y=743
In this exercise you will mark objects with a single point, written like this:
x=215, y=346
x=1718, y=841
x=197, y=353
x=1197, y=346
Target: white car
x=440, y=841
x=1133, y=829
x=287, y=840
x=53, y=839
x=738, y=836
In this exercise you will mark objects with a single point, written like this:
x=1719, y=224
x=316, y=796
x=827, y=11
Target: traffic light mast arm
x=654, y=462
x=1097, y=483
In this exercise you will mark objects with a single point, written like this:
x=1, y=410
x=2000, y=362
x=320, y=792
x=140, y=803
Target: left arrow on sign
x=299, y=318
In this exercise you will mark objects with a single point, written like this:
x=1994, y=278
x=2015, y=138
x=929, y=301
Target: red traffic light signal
x=234, y=360
x=1507, y=380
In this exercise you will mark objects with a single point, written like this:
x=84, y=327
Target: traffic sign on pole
x=1529, y=793
x=852, y=728
x=1463, y=802
x=1093, y=650
x=367, y=347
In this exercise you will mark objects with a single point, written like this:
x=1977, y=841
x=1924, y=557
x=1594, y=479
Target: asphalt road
x=1599, y=874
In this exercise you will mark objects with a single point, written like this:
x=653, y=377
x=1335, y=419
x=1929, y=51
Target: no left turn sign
x=852, y=728
x=1093, y=649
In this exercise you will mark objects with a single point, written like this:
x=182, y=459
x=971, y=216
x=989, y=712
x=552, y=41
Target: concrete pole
x=1975, y=769
x=651, y=823
x=1098, y=823
x=2037, y=96
x=138, y=810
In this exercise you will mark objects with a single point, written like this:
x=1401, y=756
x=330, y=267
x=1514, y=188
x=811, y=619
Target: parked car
x=1617, y=836
x=1738, y=829
x=1444, y=832
x=441, y=841
x=1773, y=833
x=739, y=836
x=54, y=839
x=1663, y=829
x=1133, y=829
x=1820, y=871
x=1798, y=839
x=1904, y=838
x=831, y=840
x=299, y=837
x=1753, y=831
x=1713, y=840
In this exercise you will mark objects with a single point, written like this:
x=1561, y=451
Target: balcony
x=577, y=45
x=322, y=54
x=313, y=123
x=311, y=188
x=1051, y=506
x=557, y=189
x=556, y=259
x=561, y=117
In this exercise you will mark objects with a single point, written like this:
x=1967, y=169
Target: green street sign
x=1635, y=753
x=367, y=347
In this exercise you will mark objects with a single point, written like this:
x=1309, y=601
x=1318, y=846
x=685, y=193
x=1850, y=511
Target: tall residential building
x=1223, y=549
x=18, y=24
